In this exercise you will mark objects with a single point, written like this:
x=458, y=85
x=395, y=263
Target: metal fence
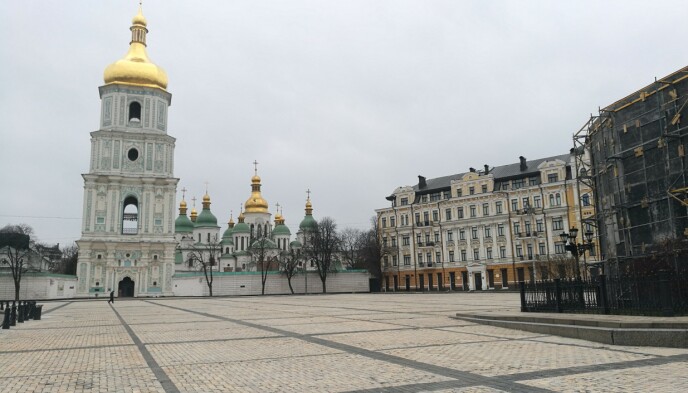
x=663, y=293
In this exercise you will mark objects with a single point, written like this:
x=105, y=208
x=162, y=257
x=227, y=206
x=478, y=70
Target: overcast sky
x=349, y=99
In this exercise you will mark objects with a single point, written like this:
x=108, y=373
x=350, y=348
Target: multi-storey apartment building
x=483, y=229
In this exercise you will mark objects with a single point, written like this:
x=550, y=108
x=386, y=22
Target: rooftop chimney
x=524, y=165
x=471, y=169
x=421, y=182
x=487, y=169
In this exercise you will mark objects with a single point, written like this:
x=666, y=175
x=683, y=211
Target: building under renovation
x=637, y=169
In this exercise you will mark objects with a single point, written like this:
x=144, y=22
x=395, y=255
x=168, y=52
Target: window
x=429, y=256
x=435, y=197
x=586, y=200
x=394, y=241
x=500, y=230
x=450, y=236
x=514, y=205
x=392, y=222
x=539, y=226
x=471, y=190
x=498, y=207
x=386, y=260
x=541, y=249
x=384, y=241
x=488, y=232
x=474, y=233
x=426, y=217
x=555, y=199
x=418, y=219
x=552, y=178
x=191, y=262
x=427, y=238
x=476, y=254
x=533, y=181
x=519, y=251
x=447, y=214
x=418, y=241
x=460, y=212
x=435, y=215
x=528, y=227
x=462, y=234
x=463, y=255
x=473, y=210
x=557, y=224
x=459, y=192
x=526, y=202
x=489, y=253
x=437, y=237
x=518, y=183
x=486, y=209
x=384, y=222
x=404, y=201
x=559, y=248
x=517, y=228
x=529, y=249
x=135, y=112
x=394, y=260
x=537, y=202
x=407, y=260
x=420, y=258
x=483, y=188
x=558, y=199
x=502, y=252
x=451, y=256
x=438, y=257
x=424, y=199
x=446, y=194
x=405, y=241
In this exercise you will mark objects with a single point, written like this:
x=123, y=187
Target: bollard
x=32, y=306
x=6, y=320
x=27, y=309
x=37, y=312
x=20, y=312
x=13, y=315
x=1, y=305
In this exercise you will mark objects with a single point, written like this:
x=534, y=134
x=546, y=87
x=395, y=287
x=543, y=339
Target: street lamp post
x=576, y=249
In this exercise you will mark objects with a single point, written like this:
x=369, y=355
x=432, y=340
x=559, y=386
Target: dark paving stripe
x=463, y=377
x=159, y=373
x=212, y=340
x=56, y=308
x=65, y=348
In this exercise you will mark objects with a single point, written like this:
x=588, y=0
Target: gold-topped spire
x=206, y=198
x=309, y=205
x=255, y=203
x=231, y=219
x=194, y=213
x=136, y=68
x=182, y=204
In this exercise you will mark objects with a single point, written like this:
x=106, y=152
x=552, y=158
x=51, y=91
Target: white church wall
x=249, y=283
x=39, y=286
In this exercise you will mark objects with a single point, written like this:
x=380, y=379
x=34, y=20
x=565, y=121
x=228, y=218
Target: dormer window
x=135, y=112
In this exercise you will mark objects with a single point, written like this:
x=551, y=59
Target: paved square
x=332, y=343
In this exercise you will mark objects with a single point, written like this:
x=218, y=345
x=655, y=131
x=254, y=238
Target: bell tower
x=127, y=235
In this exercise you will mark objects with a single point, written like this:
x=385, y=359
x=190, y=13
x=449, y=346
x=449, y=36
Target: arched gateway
x=126, y=287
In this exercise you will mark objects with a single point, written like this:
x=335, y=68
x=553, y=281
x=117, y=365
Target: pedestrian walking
x=112, y=297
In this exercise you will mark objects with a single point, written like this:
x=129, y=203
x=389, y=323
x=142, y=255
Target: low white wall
x=249, y=283
x=39, y=286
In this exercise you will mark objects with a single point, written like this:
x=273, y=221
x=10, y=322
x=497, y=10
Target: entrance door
x=464, y=279
x=478, y=279
x=452, y=281
x=396, y=283
x=430, y=282
x=408, y=283
x=490, y=278
x=521, y=274
x=386, y=283
x=126, y=287
x=440, y=283
x=505, y=279
x=422, y=282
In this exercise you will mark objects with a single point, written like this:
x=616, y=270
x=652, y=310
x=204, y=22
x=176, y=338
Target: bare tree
x=373, y=250
x=322, y=246
x=205, y=257
x=14, y=251
x=262, y=255
x=289, y=264
x=352, y=241
x=68, y=260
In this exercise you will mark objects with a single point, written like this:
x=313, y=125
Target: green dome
x=183, y=225
x=206, y=219
x=295, y=244
x=266, y=243
x=281, y=230
x=308, y=223
x=227, y=236
x=241, y=227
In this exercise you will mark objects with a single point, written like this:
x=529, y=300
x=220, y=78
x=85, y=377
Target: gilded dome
x=136, y=68
x=255, y=203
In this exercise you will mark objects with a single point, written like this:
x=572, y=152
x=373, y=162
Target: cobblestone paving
x=336, y=343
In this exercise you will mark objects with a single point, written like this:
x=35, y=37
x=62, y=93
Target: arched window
x=130, y=216
x=199, y=237
x=135, y=112
x=208, y=237
x=586, y=200
x=252, y=231
x=558, y=199
x=551, y=200
x=260, y=231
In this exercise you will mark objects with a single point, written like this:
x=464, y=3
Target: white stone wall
x=229, y=284
x=39, y=287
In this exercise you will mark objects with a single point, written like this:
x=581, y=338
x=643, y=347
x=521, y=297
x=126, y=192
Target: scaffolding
x=632, y=156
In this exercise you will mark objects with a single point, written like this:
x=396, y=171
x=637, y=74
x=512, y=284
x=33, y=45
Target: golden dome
x=241, y=217
x=182, y=207
x=136, y=68
x=194, y=214
x=231, y=221
x=255, y=203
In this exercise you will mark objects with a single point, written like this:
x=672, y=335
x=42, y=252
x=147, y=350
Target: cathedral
x=131, y=242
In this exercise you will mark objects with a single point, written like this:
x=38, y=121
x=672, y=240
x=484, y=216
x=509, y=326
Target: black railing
x=662, y=293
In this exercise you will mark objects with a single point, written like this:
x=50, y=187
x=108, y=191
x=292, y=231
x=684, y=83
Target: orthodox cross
x=194, y=201
x=183, y=192
x=255, y=167
x=206, y=187
x=309, y=194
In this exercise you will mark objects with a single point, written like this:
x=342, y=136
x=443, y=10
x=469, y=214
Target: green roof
x=228, y=234
x=308, y=223
x=281, y=230
x=295, y=244
x=241, y=227
x=267, y=243
x=183, y=225
x=206, y=219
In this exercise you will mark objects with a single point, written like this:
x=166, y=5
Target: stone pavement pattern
x=334, y=343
